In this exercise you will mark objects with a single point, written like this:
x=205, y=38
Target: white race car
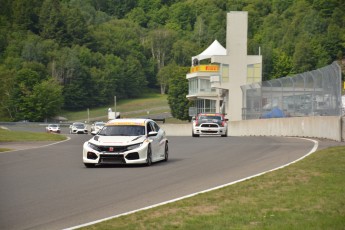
x=78, y=128
x=95, y=127
x=127, y=141
x=210, y=124
x=53, y=128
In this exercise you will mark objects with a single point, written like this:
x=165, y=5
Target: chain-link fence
x=314, y=93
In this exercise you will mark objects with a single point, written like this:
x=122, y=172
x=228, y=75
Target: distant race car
x=210, y=124
x=78, y=128
x=127, y=141
x=53, y=128
x=95, y=127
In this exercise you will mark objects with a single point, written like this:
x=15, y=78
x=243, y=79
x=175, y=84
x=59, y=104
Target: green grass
x=11, y=136
x=309, y=194
x=4, y=150
x=153, y=103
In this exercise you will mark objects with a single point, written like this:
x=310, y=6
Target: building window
x=193, y=86
x=205, y=85
x=225, y=73
x=253, y=73
x=199, y=86
x=205, y=106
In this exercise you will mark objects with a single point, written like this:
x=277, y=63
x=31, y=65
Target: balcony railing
x=201, y=91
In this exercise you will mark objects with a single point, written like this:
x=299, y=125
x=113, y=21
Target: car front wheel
x=226, y=134
x=194, y=135
x=149, y=156
x=166, y=152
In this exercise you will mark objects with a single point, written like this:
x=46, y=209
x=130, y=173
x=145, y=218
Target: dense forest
x=77, y=54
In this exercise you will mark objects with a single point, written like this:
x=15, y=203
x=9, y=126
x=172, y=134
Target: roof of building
x=214, y=49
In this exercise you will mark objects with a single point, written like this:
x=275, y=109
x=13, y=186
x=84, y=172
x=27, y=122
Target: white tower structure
x=217, y=74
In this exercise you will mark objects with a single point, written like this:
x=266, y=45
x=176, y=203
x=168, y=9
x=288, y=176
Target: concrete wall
x=329, y=127
x=342, y=128
x=177, y=129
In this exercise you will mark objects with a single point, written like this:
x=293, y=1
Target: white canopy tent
x=214, y=49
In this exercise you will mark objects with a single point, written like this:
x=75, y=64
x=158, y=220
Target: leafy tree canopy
x=93, y=50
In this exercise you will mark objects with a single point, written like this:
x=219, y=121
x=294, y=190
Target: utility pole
x=88, y=115
x=115, y=106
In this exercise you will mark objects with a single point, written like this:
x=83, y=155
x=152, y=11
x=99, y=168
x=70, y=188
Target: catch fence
x=313, y=93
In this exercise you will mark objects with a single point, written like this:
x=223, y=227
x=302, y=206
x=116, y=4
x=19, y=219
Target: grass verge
x=11, y=136
x=124, y=106
x=4, y=150
x=309, y=194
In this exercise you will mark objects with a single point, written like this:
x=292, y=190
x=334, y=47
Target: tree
x=161, y=42
x=26, y=14
x=77, y=92
x=25, y=80
x=5, y=28
x=333, y=42
x=39, y=68
x=326, y=7
x=6, y=88
x=138, y=15
x=6, y=8
x=182, y=52
x=216, y=27
x=76, y=28
x=115, y=8
x=134, y=80
x=164, y=75
x=65, y=65
x=180, y=14
x=118, y=37
x=282, y=64
x=32, y=96
x=113, y=77
x=200, y=32
x=45, y=101
x=51, y=21
x=37, y=49
x=178, y=89
x=304, y=58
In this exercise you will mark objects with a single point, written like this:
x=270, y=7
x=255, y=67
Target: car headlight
x=93, y=146
x=134, y=146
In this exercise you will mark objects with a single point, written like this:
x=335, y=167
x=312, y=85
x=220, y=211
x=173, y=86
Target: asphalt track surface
x=49, y=187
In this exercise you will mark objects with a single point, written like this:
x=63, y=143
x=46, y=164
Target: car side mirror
x=226, y=119
x=152, y=133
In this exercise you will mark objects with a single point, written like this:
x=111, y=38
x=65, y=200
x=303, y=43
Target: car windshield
x=219, y=118
x=79, y=126
x=53, y=126
x=122, y=130
x=99, y=124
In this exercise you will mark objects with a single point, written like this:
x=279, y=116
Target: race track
x=49, y=187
